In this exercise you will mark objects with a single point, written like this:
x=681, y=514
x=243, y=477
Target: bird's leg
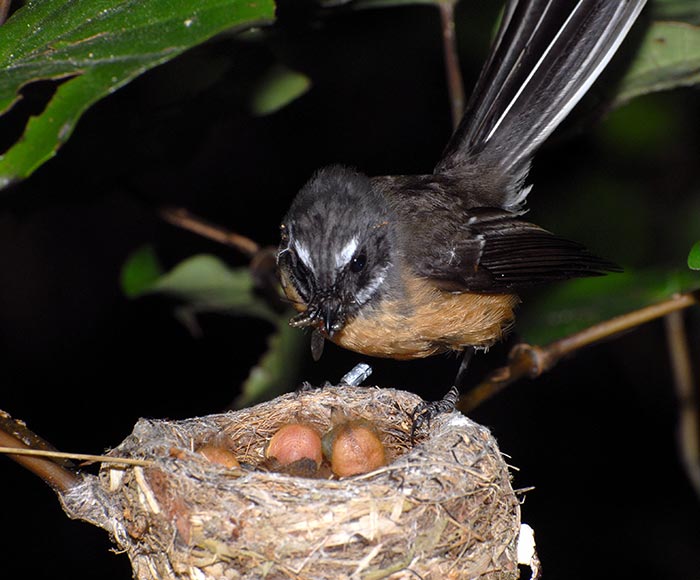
x=466, y=357
x=427, y=410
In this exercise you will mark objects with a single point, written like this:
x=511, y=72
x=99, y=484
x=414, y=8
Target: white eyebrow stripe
x=346, y=254
x=304, y=255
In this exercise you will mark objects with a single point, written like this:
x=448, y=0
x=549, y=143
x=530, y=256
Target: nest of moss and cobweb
x=209, y=498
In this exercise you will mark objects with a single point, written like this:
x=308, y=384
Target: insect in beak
x=307, y=318
x=331, y=323
x=317, y=344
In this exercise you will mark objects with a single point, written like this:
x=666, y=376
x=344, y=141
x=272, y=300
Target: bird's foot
x=426, y=411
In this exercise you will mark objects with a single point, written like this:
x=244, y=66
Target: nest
x=442, y=506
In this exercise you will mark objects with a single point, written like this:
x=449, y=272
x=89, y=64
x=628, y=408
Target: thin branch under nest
x=442, y=506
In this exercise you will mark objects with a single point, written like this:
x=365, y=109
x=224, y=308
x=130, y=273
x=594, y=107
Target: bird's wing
x=464, y=248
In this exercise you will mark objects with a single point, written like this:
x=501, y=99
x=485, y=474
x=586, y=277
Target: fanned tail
x=545, y=57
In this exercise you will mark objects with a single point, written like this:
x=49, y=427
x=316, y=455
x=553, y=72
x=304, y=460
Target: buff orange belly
x=428, y=322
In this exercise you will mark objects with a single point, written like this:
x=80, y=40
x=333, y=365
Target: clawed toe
x=426, y=411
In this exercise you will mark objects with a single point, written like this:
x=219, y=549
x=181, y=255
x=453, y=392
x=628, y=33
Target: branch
x=455, y=86
x=532, y=361
x=688, y=430
x=263, y=259
x=25, y=447
x=86, y=457
x=4, y=10
x=15, y=435
x=182, y=218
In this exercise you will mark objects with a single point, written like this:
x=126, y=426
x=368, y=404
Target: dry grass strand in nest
x=441, y=509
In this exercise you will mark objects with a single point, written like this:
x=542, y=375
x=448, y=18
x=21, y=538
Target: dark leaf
x=205, y=283
x=578, y=304
x=668, y=58
x=140, y=271
x=99, y=46
x=277, y=370
x=694, y=257
x=279, y=87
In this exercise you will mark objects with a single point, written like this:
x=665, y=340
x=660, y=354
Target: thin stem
x=614, y=326
x=58, y=477
x=25, y=447
x=4, y=10
x=182, y=218
x=688, y=429
x=455, y=85
x=532, y=361
x=87, y=457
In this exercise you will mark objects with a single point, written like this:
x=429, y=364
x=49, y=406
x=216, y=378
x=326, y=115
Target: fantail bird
x=408, y=266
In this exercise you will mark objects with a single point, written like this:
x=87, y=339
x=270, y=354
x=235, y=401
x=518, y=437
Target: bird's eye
x=358, y=262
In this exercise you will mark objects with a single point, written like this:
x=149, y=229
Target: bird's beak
x=327, y=317
x=332, y=316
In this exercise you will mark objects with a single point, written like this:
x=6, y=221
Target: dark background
x=81, y=363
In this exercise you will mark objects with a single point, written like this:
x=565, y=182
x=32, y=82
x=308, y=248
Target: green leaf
x=694, y=257
x=278, y=368
x=279, y=87
x=140, y=271
x=97, y=46
x=572, y=306
x=669, y=57
x=643, y=127
x=683, y=10
x=205, y=283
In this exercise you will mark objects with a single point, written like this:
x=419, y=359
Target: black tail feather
x=545, y=57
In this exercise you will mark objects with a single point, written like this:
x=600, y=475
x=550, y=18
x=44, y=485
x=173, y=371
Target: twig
x=58, y=477
x=263, y=259
x=182, y=218
x=88, y=457
x=532, y=361
x=4, y=10
x=455, y=85
x=688, y=430
x=25, y=447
